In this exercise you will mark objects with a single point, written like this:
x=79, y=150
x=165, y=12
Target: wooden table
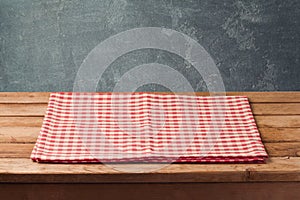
x=277, y=115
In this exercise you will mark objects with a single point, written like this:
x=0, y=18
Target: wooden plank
x=21, y=121
x=24, y=97
x=19, y=134
x=8, y=150
x=274, y=149
x=275, y=108
x=29, y=134
x=22, y=109
x=283, y=149
x=25, y=171
x=145, y=191
x=279, y=134
x=39, y=109
x=284, y=121
x=268, y=97
x=42, y=97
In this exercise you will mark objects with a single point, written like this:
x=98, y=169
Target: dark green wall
x=255, y=43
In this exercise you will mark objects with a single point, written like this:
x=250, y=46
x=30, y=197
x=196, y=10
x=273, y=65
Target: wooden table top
x=277, y=115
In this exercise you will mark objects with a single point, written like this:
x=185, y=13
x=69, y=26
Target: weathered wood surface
x=27, y=134
x=275, y=149
x=39, y=109
x=278, y=121
x=24, y=170
x=277, y=115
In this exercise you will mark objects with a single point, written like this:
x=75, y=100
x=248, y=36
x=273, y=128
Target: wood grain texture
x=284, y=121
x=276, y=108
x=24, y=170
x=145, y=191
x=283, y=149
x=39, y=109
x=280, y=134
x=24, y=97
x=21, y=121
x=277, y=115
x=269, y=97
x=22, y=134
x=25, y=134
x=23, y=109
x=43, y=97
x=274, y=149
x=8, y=150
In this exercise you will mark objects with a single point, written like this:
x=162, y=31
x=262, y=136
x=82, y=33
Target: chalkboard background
x=254, y=43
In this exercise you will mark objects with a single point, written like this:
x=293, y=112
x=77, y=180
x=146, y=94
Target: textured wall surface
x=254, y=43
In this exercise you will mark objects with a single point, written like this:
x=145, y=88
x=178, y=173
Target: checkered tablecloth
x=148, y=127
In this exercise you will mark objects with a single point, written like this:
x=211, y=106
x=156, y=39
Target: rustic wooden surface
x=277, y=115
x=22, y=170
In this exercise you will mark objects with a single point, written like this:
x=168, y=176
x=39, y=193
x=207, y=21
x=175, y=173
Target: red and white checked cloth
x=148, y=127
